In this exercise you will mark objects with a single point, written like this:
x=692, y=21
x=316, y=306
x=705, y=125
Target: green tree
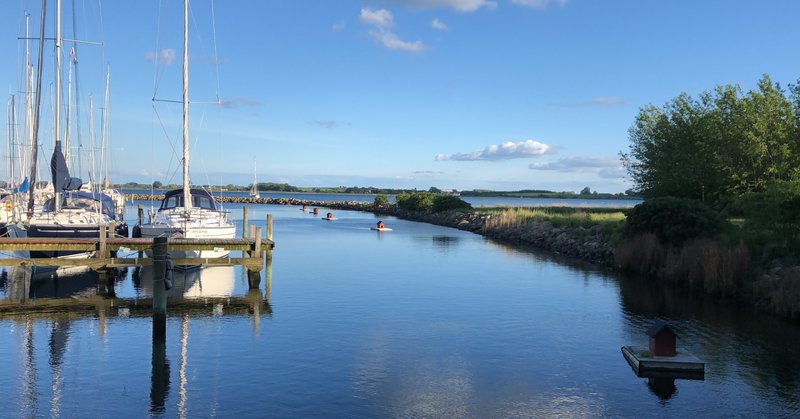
x=381, y=201
x=157, y=185
x=586, y=191
x=717, y=146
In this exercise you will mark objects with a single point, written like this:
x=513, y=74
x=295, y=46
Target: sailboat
x=69, y=213
x=189, y=212
x=254, y=189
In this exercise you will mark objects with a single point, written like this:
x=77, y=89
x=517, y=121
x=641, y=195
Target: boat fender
x=168, y=272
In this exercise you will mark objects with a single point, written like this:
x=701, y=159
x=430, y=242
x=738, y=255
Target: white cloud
x=338, y=26
x=605, y=167
x=381, y=18
x=539, y=4
x=506, y=151
x=166, y=55
x=391, y=41
x=459, y=5
x=439, y=25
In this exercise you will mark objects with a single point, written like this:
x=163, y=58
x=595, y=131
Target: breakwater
x=587, y=244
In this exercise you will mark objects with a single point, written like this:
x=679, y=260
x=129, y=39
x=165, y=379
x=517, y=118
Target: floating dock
x=645, y=364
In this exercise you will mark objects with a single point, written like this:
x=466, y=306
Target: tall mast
x=104, y=129
x=187, y=201
x=58, y=72
x=35, y=136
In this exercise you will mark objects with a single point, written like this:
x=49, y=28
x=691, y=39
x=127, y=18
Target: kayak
x=380, y=229
x=329, y=219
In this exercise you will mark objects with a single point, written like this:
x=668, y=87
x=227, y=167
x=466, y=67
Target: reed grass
x=559, y=216
x=699, y=264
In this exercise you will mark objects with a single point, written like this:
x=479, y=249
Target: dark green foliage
x=674, y=220
x=772, y=219
x=417, y=201
x=427, y=201
x=381, y=201
x=449, y=202
x=717, y=146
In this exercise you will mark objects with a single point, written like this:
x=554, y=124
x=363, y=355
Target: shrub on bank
x=416, y=201
x=674, y=220
x=427, y=201
x=449, y=202
x=381, y=201
x=771, y=221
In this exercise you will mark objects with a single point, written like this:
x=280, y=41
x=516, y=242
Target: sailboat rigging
x=254, y=188
x=188, y=212
x=69, y=213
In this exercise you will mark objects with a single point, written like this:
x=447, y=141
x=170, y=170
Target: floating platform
x=682, y=365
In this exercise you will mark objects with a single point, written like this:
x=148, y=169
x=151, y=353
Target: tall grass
x=699, y=264
x=558, y=216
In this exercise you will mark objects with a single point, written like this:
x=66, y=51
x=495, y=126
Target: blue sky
x=505, y=94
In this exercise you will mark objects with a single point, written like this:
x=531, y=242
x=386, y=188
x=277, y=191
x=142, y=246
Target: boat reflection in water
x=216, y=281
x=59, y=282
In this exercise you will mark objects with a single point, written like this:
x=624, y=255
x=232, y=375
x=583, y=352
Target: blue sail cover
x=58, y=168
x=23, y=187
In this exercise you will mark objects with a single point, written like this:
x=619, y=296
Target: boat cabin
x=200, y=199
x=663, y=340
x=93, y=202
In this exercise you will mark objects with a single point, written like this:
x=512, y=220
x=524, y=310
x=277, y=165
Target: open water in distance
x=422, y=321
x=475, y=201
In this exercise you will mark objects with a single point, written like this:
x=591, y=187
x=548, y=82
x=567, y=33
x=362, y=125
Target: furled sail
x=61, y=178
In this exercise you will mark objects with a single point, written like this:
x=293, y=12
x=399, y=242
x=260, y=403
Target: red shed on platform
x=663, y=339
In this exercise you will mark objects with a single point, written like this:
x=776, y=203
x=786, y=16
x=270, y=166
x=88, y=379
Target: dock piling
x=244, y=222
x=101, y=247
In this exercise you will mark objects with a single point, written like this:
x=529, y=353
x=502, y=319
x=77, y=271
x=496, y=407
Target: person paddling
x=381, y=225
x=329, y=216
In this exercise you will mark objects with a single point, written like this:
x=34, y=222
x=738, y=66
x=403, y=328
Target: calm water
x=422, y=321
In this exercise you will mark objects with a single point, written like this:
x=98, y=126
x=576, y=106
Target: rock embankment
x=586, y=244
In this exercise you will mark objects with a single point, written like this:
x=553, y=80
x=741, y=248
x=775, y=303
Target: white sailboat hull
x=196, y=224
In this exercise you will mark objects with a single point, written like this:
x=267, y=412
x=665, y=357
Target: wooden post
x=257, y=244
x=159, y=290
x=101, y=247
x=244, y=222
x=253, y=279
x=252, y=234
x=269, y=227
x=140, y=215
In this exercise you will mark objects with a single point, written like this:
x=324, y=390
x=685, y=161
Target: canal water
x=421, y=321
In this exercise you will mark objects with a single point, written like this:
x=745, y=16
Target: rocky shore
x=587, y=244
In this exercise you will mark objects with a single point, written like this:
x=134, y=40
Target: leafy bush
x=449, y=202
x=417, y=201
x=381, y=201
x=674, y=220
x=772, y=219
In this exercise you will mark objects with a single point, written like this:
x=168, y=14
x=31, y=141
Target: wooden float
x=682, y=365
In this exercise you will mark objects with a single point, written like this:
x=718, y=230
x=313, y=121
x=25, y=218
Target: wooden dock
x=106, y=251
